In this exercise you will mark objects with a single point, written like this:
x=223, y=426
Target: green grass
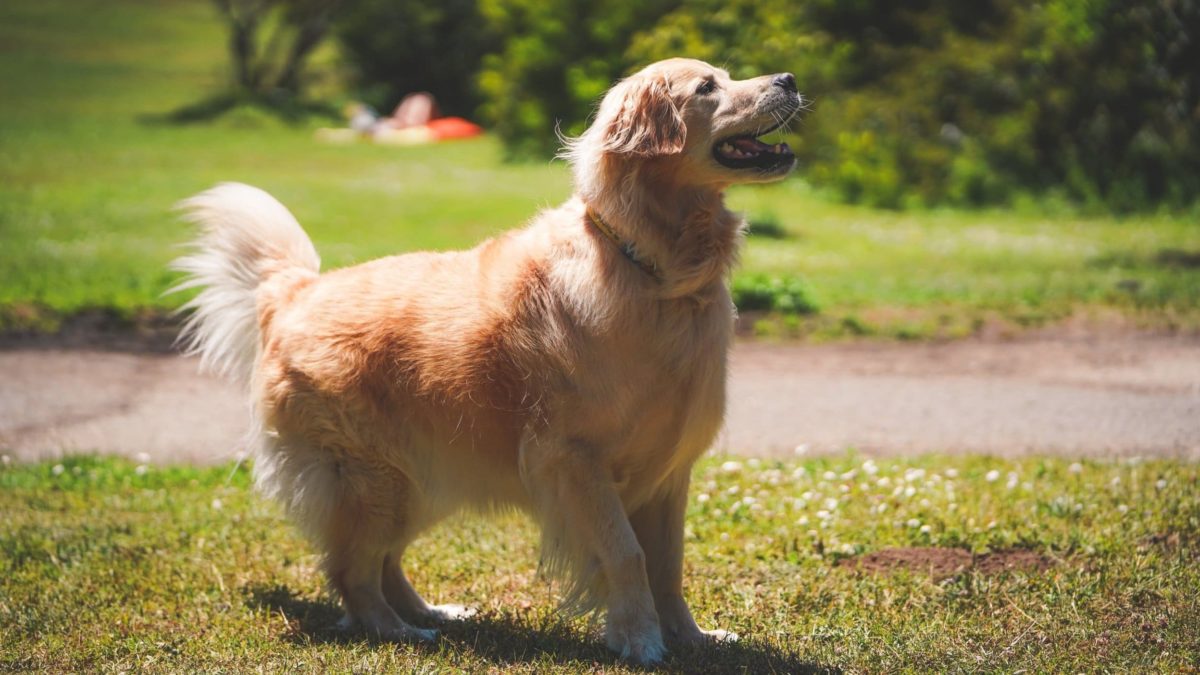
x=88, y=178
x=108, y=566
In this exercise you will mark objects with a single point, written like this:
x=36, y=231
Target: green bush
x=926, y=102
x=758, y=292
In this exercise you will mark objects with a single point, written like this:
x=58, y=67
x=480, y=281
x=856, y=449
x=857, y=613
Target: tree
x=270, y=41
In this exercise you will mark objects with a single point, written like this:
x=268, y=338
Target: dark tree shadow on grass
x=280, y=105
x=504, y=640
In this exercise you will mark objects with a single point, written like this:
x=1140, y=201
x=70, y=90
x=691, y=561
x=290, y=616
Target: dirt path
x=1116, y=396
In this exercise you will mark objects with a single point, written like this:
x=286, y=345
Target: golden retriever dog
x=574, y=368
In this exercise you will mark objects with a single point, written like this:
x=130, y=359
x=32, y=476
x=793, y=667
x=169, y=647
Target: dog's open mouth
x=748, y=152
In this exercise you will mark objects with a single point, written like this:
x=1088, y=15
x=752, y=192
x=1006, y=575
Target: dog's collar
x=624, y=247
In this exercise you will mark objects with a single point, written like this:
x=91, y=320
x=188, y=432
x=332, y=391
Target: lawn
x=89, y=171
x=105, y=565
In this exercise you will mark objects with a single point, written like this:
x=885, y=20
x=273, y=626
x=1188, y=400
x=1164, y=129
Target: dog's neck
x=684, y=232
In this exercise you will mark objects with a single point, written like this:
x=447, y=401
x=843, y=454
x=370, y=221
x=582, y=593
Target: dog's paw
x=640, y=642
x=444, y=613
x=718, y=635
x=413, y=634
x=393, y=632
x=697, y=637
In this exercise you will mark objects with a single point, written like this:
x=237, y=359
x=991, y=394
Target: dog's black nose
x=786, y=81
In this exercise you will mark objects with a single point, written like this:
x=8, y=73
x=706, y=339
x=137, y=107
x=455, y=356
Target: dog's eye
x=706, y=87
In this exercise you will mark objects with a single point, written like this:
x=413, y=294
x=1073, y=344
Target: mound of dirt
x=941, y=563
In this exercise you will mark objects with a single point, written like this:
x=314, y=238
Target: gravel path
x=1115, y=396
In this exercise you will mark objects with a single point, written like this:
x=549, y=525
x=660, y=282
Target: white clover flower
x=731, y=467
x=952, y=507
x=754, y=463
x=910, y=491
x=824, y=515
x=57, y=469
x=992, y=476
x=717, y=513
x=849, y=475
x=1075, y=468
x=1012, y=481
x=1115, y=481
x=870, y=468
x=830, y=504
x=883, y=482
x=813, y=534
x=724, y=536
x=141, y=469
x=843, y=488
x=216, y=504
x=913, y=522
x=703, y=497
x=756, y=507
x=914, y=475
x=1161, y=483
x=142, y=458
x=952, y=473
x=1027, y=486
x=733, y=508
x=829, y=475
x=898, y=491
x=848, y=549
x=882, y=507
x=808, y=495
x=732, y=490
x=802, y=521
x=924, y=503
x=799, y=504
x=799, y=472
x=800, y=450
x=991, y=525
x=748, y=500
x=926, y=529
x=1123, y=509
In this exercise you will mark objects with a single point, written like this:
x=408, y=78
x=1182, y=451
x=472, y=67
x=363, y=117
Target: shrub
x=787, y=295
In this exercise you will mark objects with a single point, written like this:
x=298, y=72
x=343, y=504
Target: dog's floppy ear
x=642, y=119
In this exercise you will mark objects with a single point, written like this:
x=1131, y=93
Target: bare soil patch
x=941, y=563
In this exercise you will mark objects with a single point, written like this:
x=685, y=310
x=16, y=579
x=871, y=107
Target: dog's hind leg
x=408, y=603
x=357, y=533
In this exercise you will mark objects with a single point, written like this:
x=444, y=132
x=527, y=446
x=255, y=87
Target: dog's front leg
x=659, y=527
x=578, y=501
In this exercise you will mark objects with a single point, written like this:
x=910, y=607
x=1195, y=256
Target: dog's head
x=694, y=118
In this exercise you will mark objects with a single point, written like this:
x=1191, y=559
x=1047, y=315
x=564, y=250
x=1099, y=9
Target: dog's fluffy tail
x=246, y=236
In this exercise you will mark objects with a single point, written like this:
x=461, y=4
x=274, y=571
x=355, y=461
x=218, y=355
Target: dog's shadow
x=503, y=640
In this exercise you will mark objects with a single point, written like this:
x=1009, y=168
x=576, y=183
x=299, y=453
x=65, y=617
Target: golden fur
x=541, y=369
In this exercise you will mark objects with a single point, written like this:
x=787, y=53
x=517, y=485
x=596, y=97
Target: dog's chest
x=666, y=392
